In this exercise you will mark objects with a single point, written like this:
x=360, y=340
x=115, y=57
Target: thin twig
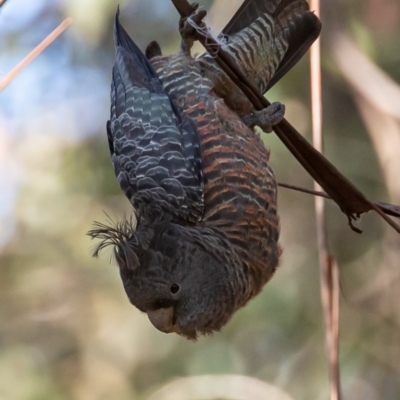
x=329, y=272
x=304, y=190
x=387, y=208
x=35, y=52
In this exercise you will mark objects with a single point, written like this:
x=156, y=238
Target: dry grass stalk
x=329, y=272
x=35, y=52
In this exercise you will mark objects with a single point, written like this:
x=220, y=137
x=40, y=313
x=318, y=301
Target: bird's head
x=173, y=274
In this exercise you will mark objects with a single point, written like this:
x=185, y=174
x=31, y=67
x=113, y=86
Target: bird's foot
x=190, y=26
x=266, y=118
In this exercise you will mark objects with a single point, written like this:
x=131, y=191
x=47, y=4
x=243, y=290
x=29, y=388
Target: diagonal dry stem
x=35, y=52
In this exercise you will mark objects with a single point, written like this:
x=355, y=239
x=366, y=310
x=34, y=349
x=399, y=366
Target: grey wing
x=265, y=38
x=155, y=152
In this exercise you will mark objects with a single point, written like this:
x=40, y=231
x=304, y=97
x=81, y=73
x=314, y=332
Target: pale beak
x=162, y=319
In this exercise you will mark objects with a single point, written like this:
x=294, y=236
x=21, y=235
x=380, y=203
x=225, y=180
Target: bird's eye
x=174, y=288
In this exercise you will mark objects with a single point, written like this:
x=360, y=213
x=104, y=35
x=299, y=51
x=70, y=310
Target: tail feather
x=250, y=10
x=300, y=33
x=287, y=29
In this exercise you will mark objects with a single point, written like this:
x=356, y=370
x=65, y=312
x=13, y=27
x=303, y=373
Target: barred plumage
x=265, y=39
x=155, y=151
x=239, y=184
x=199, y=179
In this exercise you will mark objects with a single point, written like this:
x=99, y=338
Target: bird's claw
x=189, y=27
x=266, y=118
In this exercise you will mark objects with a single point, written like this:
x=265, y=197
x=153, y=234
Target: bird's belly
x=240, y=190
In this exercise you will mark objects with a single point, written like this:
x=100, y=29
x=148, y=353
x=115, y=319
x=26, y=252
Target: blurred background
x=67, y=330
